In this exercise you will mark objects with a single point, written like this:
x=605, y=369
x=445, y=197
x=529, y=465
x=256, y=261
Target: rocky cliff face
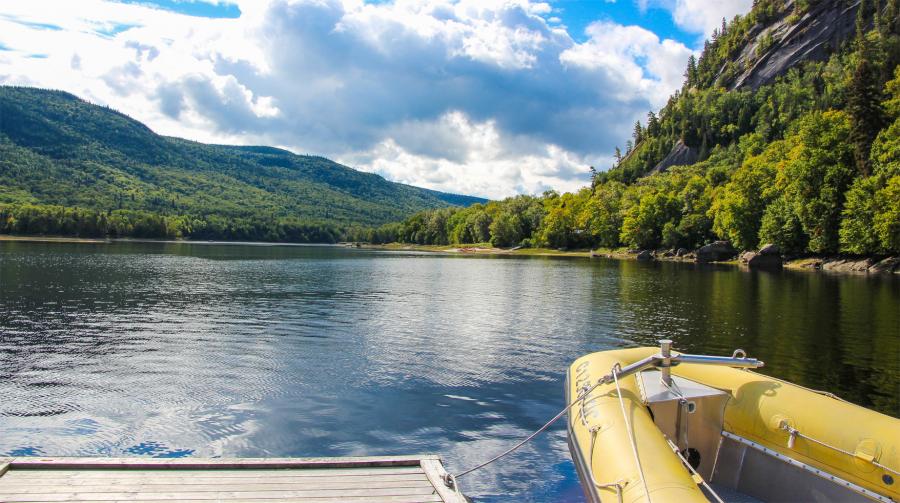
x=680, y=155
x=780, y=45
x=777, y=46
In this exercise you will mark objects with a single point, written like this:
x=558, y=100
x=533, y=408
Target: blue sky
x=212, y=10
x=483, y=97
x=575, y=14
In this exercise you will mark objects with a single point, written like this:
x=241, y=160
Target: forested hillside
x=71, y=168
x=786, y=130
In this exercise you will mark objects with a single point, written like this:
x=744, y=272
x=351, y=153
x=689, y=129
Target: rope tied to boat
x=582, y=395
x=738, y=360
x=585, y=391
x=618, y=485
x=694, y=471
x=612, y=377
x=637, y=459
x=794, y=433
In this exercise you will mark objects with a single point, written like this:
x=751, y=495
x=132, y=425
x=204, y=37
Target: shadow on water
x=204, y=349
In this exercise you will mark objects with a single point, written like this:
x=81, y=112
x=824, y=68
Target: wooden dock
x=258, y=480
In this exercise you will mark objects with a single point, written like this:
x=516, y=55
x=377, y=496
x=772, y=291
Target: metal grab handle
x=728, y=361
x=665, y=359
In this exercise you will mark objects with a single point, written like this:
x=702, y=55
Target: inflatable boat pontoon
x=652, y=425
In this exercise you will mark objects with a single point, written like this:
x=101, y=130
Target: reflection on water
x=177, y=349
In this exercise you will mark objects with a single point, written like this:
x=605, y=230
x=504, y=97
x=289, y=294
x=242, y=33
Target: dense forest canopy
x=809, y=161
x=71, y=168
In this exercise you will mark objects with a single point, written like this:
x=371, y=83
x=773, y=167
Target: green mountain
x=70, y=167
x=760, y=73
x=786, y=131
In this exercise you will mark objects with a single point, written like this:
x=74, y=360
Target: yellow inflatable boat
x=650, y=424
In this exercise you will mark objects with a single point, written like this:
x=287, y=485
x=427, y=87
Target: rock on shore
x=851, y=265
x=645, y=255
x=768, y=257
x=887, y=265
x=716, y=251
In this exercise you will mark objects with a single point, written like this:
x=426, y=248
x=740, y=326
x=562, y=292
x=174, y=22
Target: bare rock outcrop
x=848, y=265
x=774, y=47
x=886, y=266
x=680, y=155
x=786, y=42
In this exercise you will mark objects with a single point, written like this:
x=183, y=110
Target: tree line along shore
x=809, y=162
x=767, y=261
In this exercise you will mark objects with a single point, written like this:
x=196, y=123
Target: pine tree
x=653, y=128
x=638, y=133
x=690, y=74
x=864, y=95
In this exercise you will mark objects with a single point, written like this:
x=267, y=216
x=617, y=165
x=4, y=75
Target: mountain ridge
x=60, y=150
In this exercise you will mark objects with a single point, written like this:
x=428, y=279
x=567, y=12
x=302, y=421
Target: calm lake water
x=178, y=349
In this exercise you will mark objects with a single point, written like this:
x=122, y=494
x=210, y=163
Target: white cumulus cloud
x=703, y=16
x=473, y=96
x=700, y=16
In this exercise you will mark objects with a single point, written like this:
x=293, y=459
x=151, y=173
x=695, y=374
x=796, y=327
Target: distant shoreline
x=476, y=249
x=827, y=264
x=72, y=239
x=52, y=239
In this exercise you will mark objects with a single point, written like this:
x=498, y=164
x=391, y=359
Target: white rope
x=584, y=393
x=673, y=388
x=615, y=373
x=795, y=432
x=682, y=402
x=691, y=468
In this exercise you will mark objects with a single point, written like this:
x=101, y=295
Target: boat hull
x=756, y=410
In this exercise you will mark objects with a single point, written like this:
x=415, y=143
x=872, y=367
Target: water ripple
x=171, y=350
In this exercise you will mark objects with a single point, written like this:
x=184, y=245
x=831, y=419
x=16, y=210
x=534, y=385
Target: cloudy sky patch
x=488, y=98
